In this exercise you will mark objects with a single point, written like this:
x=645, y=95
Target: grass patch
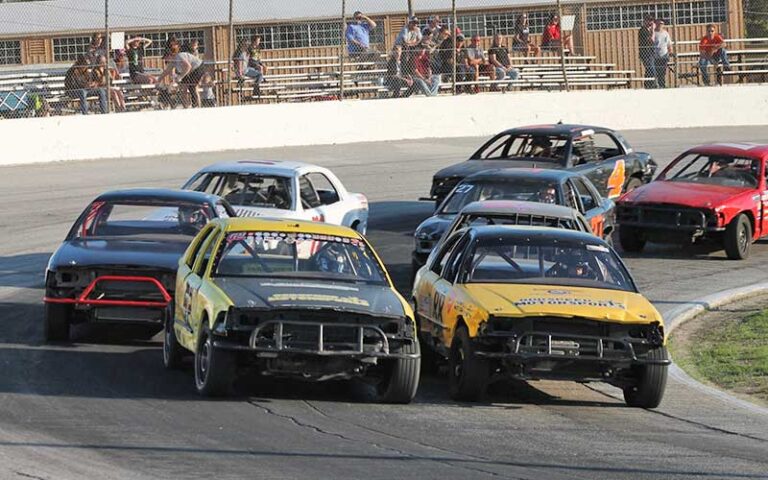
x=730, y=351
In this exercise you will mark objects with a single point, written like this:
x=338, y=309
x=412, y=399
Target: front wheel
x=401, y=379
x=214, y=368
x=468, y=374
x=738, y=238
x=172, y=351
x=56, y=327
x=651, y=382
x=631, y=239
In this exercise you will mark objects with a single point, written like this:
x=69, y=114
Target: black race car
x=118, y=263
x=522, y=186
x=601, y=154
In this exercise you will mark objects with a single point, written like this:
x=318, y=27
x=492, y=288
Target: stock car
x=600, y=154
x=522, y=186
x=118, y=262
x=291, y=299
x=715, y=193
x=538, y=303
x=282, y=189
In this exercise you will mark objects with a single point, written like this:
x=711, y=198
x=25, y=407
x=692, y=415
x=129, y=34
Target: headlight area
x=550, y=347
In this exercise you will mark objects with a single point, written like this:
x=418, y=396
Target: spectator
x=241, y=66
x=100, y=73
x=553, y=37
x=189, y=68
x=358, y=37
x=79, y=81
x=254, y=57
x=397, y=78
x=121, y=62
x=410, y=36
x=433, y=25
x=442, y=59
x=428, y=82
x=521, y=40
x=662, y=49
x=646, y=46
x=96, y=49
x=712, y=51
x=473, y=60
x=498, y=57
x=136, y=50
x=193, y=47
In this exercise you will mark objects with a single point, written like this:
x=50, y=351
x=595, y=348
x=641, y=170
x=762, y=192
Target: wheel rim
x=166, y=345
x=203, y=361
x=458, y=367
x=743, y=239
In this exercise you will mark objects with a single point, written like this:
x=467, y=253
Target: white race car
x=282, y=189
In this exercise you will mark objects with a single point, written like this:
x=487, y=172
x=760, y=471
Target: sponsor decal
x=558, y=292
x=291, y=237
x=313, y=297
x=597, y=248
x=616, y=180
x=570, y=302
x=311, y=285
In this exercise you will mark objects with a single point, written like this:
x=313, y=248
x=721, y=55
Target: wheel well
x=354, y=225
x=459, y=323
x=750, y=217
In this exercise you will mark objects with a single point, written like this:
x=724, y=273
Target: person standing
x=189, y=69
x=712, y=51
x=553, y=37
x=358, y=37
x=136, y=50
x=645, y=45
x=662, y=49
x=521, y=39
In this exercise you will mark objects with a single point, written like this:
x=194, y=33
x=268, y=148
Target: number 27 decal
x=616, y=180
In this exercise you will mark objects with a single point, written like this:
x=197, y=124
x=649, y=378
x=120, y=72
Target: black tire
x=173, y=353
x=214, y=368
x=651, y=382
x=738, y=238
x=468, y=374
x=631, y=239
x=401, y=379
x=632, y=184
x=57, y=318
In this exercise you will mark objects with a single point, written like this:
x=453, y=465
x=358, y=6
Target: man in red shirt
x=712, y=51
x=428, y=82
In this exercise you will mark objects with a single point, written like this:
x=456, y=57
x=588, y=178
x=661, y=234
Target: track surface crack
x=27, y=475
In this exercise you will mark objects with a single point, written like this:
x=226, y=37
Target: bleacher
x=748, y=58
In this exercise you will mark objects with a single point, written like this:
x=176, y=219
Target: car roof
x=500, y=207
x=281, y=168
x=737, y=149
x=515, y=173
x=158, y=194
x=525, y=233
x=567, y=129
x=245, y=224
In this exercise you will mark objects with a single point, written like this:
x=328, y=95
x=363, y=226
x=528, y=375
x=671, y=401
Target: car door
x=425, y=291
x=185, y=269
x=192, y=311
x=331, y=208
x=600, y=157
x=592, y=206
x=310, y=201
x=446, y=297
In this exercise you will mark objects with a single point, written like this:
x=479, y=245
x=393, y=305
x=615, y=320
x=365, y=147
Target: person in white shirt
x=662, y=49
x=188, y=68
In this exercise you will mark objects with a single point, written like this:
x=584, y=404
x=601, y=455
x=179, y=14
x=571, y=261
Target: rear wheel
x=738, y=238
x=57, y=317
x=651, y=382
x=214, y=368
x=468, y=374
x=401, y=379
x=631, y=239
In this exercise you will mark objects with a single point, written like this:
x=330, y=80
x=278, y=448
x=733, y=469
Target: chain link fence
x=61, y=57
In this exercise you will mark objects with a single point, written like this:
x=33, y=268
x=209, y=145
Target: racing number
x=616, y=180
x=438, y=300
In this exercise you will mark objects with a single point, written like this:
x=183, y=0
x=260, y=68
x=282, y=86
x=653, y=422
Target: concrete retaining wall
x=158, y=133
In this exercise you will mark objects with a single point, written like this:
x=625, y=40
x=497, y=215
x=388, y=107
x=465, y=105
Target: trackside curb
x=693, y=309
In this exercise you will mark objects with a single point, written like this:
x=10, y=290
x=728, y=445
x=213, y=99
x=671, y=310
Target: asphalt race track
x=103, y=407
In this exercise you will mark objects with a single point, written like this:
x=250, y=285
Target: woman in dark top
x=521, y=40
x=135, y=52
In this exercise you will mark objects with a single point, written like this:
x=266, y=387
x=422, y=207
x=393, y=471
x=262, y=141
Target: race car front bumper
x=666, y=219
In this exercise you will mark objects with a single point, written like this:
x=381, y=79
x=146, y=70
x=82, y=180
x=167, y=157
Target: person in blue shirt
x=358, y=36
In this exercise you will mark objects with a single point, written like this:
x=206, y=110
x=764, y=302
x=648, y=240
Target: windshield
x=121, y=219
x=521, y=189
x=722, y=170
x=246, y=190
x=547, y=263
x=280, y=254
x=551, y=148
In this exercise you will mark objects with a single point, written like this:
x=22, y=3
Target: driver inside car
x=192, y=219
x=542, y=147
x=571, y=264
x=331, y=259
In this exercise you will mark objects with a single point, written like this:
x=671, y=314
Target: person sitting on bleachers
x=100, y=73
x=521, y=39
x=428, y=82
x=712, y=51
x=79, y=82
x=135, y=53
x=498, y=57
x=241, y=60
x=397, y=78
x=96, y=49
x=553, y=37
x=472, y=61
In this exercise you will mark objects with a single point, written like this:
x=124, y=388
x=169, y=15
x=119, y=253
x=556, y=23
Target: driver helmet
x=193, y=216
x=548, y=195
x=574, y=263
x=331, y=259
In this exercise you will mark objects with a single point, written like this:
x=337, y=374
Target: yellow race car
x=538, y=303
x=291, y=299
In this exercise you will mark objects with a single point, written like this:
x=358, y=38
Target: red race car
x=712, y=192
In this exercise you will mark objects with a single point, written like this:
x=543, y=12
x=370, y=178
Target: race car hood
x=696, y=195
x=252, y=212
x=433, y=227
x=279, y=293
x=469, y=167
x=536, y=300
x=144, y=253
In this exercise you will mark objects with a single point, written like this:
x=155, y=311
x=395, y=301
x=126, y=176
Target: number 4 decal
x=616, y=180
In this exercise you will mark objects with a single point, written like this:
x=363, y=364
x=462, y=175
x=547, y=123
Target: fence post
x=676, y=74
x=343, y=47
x=453, y=54
x=562, y=48
x=107, y=73
x=230, y=98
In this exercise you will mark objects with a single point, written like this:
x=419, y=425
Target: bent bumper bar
x=84, y=298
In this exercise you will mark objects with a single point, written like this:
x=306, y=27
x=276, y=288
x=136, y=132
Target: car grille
x=665, y=216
